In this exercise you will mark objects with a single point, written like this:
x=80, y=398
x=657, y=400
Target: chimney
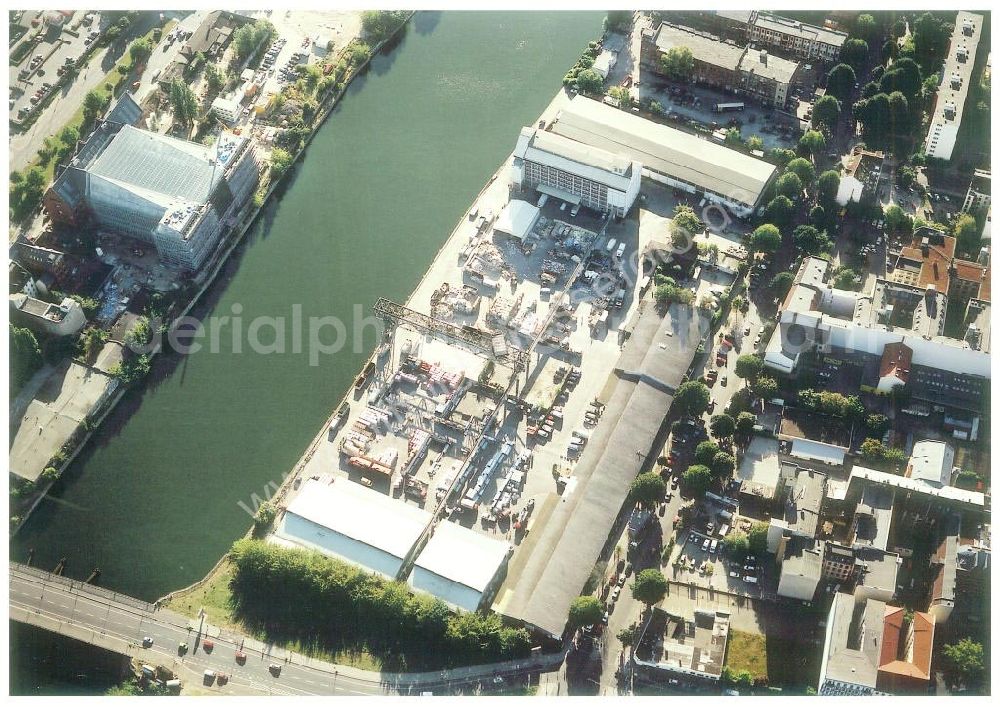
x=763, y=57
x=925, y=246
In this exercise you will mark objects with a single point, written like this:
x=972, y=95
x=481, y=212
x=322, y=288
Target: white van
x=621, y=251
x=611, y=245
x=750, y=579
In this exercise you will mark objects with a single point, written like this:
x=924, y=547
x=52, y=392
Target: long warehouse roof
x=567, y=547
x=665, y=150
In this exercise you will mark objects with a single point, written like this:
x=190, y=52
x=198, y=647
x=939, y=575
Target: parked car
x=147, y=641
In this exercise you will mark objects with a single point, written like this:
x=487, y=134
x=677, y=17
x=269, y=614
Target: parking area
x=42, y=70
x=686, y=103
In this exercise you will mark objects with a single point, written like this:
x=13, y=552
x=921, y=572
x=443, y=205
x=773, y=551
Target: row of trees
x=251, y=37
x=303, y=596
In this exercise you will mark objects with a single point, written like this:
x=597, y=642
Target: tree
x=678, y=63
x=281, y=160
x=765, y=387
x=93, y=103
x=855, y=53
x=692, y=398
x=755, y=142
x=648, y=489
x=865, y=27
x=817, y=216
x=745, y=422
x=736, y=545
x=789, y=185
x=897, y=220
x=627, y=636
x=140, y=50
x=781, y=156
x=618, y=20
x=214, y=78
x=930, y=41
x=846, y=279
x=265, y=515
x=668, y=292
x=585, y=611
x=589, y=81
x=622, y=95
x=826, y=112
x=723, y=465
x=766, y=238
x=183, y=102
x=705, y=452
x=779, y=211
x=906, y=176
x=803, y=169
x=757, y=538
x=249, y=37
x=781, y=284
x=811, y=241
x=904, y=76
x=873, y=114
x=964, y=662
x=733, y=137
x=827, y=186
x=840, y=81
x=650, y=587
x=684, y=226
x=380, y=24
x=967, y=235
x=877, y=424
x=723, y=426
x=749, y=366
x=25, y=357
x=698, y=479
x=812, y=143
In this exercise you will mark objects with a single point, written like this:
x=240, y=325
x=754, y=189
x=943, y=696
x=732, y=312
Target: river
x=159, y=494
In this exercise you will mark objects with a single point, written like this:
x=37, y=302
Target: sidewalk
x=250, y=645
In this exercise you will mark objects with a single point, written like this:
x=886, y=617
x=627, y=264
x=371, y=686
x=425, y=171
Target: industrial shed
x=517, y=218
x=352, y=523
x=460, y=566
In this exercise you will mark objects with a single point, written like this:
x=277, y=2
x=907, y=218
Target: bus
x=727, y=107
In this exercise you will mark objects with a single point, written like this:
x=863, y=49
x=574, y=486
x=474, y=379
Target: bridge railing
x=78, y=586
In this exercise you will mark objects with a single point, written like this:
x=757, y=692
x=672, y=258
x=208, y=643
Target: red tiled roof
x=897, y=359
x=919, y=666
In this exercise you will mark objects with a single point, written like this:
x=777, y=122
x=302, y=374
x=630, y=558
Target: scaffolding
x=483, y=342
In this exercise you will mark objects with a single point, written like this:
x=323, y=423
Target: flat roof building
x=851, y=649
x=798, y=38
x=173, y=194
x=461, y=567
x=861, y=327
x=61, y=319
x=579, y=173
x=667, y=155
x=956, y=76
x=352, y=523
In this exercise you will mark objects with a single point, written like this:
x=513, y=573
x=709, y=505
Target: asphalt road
x=76, y=610
x=24, y=146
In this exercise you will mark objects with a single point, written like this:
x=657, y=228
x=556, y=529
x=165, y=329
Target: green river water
x=155, y=499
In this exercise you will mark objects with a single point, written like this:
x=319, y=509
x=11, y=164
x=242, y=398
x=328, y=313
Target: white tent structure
x=517, y=218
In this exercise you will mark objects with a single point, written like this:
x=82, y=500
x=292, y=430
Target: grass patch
x=214, y=596
x=781, y=662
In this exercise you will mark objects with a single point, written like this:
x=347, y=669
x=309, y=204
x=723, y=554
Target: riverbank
x=92, y=419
